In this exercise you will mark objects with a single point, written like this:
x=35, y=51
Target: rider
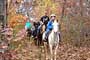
x=44, y=19
x=35, y=25
x=50, y=24
x=28, y=25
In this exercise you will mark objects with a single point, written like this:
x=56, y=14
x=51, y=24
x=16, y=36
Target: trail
x=27, y=50
x=65, y=52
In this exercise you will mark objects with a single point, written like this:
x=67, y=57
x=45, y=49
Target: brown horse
x=39, y=35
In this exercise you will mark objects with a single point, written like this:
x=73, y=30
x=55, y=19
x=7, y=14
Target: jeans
x=47, y=33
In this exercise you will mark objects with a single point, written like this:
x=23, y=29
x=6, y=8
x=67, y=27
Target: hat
x=52, y=15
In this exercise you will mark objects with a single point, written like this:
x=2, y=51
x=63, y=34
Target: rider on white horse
x=52, y=34
x=49, y=26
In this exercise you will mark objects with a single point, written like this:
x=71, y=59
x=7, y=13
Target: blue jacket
x=49, y=25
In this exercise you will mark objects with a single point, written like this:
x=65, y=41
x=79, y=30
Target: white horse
x=53, y=39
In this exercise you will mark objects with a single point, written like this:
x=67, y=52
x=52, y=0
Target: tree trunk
x=81, y=8
x=63, y=8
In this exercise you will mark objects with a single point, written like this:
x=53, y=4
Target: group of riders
x=35, y=28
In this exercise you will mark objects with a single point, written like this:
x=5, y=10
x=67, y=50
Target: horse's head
x=55, y=26
x=42, y=26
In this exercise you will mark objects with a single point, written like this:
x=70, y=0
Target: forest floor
x=30, y=51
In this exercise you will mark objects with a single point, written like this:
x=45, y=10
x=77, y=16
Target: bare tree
x=63, y=8
x=81, y=7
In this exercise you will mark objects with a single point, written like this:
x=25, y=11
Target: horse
x=52, y=40
x=34, y=28
x=41, y=29
x=28, y=31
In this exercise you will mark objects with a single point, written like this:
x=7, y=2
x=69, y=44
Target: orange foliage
x=17, y=20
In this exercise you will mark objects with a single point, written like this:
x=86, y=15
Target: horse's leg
x=39, y=41
x=55, y=52
x=51, y=51
x=29, y=34
x=56, y=45
x=29, y=37
x=45, y=50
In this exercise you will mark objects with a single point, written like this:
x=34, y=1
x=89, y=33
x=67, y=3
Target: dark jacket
x=44, y=19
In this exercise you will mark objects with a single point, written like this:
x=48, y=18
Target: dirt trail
x=27, y=50
x=65, y=52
